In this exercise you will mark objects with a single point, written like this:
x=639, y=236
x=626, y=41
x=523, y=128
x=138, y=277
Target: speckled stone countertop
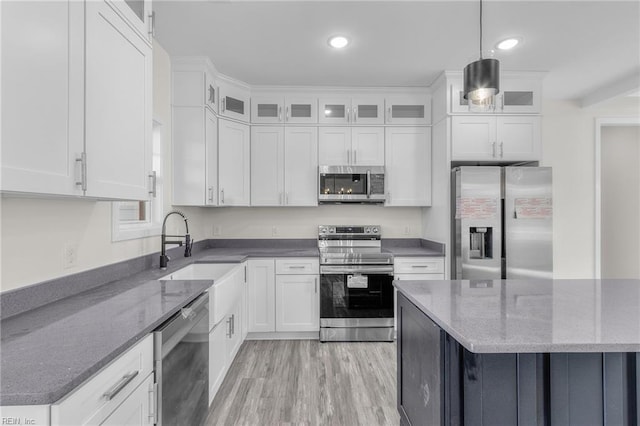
x=49, y=350
x=533, y=316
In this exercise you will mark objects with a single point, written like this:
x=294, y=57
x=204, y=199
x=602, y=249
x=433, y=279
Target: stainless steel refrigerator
x=502, y=222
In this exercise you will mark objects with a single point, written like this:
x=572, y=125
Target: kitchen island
x=519, y=352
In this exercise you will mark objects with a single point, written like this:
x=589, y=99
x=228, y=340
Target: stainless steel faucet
x=188, y=242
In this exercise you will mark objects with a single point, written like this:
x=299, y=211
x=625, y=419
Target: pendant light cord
x=480, y=29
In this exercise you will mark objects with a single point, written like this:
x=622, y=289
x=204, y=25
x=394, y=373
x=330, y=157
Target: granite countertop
x=533, y=316
x=51, y=349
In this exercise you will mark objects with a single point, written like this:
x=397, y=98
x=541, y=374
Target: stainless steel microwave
x=351, y=184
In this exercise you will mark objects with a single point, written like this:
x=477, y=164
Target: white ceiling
x=588, y=47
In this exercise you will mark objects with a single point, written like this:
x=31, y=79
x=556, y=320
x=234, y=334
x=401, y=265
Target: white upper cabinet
x=193, y=85
x=284, y=110
x=351, y=146
x=408, y=109
x=137, y=13
x=348, y=110
x=284, y=163
x=301, y=110
x=519, y=95
x=367, y=146
x=42, y=118
x=118, y=104
x=301, y=166
x=234, y=101
x=334, y=147
x=90, y=89
x=233, y=163
x=267, y=165
x=495, y=138
x=408, y=166
x=267, y=109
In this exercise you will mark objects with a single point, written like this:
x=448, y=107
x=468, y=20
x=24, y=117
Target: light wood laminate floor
x=305, y=382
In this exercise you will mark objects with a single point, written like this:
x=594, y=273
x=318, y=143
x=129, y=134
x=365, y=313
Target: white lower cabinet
x=283, y=295
x=261, y=297
x=128, y=382
x=137, y=409
x=226, y=336
x=297, y=303
x=217, y=358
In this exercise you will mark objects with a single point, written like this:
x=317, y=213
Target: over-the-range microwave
x=351, y=184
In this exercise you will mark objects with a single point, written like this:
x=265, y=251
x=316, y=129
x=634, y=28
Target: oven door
x=356, y=292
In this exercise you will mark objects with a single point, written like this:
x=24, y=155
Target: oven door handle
x=365, y=270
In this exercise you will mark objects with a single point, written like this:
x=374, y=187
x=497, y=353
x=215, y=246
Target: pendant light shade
x=482, y=77
x=481, y=80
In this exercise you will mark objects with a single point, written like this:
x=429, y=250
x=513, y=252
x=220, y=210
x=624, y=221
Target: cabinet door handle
x=355, y=114
x=279, y=113
x=152, y=24
x=245, y=274
x=286, y=116
x=355, y=157
x=83, y=171
x=348, y=156
x=233, y=324
x=389, y=116
x=348, y=115
x=126, y=379
x=501, y=149
x=211, y=194
x=153, y=403
x=315, y=284
x=222, y=196
x=493, y=149
x=153, y=183
x=224, y=104
x=229, y=327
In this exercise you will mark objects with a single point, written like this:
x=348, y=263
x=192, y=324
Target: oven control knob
x=367, y=230
x=374, y=230
x=332, y=230
x=323, y=230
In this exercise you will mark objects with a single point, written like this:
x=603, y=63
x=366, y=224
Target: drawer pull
x=419, y=266
x=296, y=267
x=111, y=393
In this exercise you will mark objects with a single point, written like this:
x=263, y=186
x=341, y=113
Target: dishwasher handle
x=181, y=323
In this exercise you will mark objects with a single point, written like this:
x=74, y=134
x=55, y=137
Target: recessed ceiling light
x=508, y=43
x=338, y=42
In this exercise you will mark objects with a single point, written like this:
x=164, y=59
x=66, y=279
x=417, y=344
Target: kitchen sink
x=225, y=291
x=201, y=271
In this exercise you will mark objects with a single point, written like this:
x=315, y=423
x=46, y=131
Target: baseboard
x=292, y=335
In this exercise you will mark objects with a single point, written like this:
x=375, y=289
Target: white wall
x=568, y=135
x=302, y=222
x=620, y=187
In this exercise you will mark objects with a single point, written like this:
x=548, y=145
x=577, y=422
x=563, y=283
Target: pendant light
x=482, y=77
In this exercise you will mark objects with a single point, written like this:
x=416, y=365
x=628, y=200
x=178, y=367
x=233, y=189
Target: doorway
x=618, y=198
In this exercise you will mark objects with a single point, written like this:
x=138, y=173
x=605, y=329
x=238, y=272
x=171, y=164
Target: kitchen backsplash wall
x=302, y=222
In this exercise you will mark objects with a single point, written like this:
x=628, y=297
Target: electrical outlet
x=274, y=231
x=407, y=230
x=217, y=230
x=69, y=255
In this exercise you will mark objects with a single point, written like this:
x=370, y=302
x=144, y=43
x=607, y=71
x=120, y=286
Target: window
x=139, y=219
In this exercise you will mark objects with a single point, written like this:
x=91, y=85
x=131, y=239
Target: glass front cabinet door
x=409, y=109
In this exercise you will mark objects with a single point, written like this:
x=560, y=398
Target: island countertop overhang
x=533, y=316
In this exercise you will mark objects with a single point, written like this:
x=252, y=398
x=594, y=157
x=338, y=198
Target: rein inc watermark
x=17, y=421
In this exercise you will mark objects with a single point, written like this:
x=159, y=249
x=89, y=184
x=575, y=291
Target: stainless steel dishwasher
x=181, y=358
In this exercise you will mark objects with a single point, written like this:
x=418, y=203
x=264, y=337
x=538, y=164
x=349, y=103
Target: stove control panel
x=338, y=230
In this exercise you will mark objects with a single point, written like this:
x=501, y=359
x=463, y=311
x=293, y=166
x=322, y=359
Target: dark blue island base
x=442, y=383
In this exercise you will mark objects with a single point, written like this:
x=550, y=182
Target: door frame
x=599, y=124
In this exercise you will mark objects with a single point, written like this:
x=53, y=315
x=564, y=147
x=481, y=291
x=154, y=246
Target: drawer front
x=90, y=403
x=418, y=265
x=298, y=266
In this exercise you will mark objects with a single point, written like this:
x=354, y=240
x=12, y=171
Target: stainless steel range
x=356, y=290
